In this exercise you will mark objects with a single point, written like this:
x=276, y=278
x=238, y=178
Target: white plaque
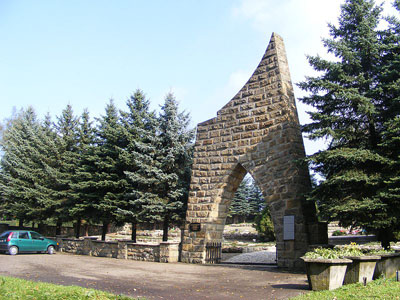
x=288, y=228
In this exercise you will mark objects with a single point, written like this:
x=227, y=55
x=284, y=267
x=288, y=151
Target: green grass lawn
x=15, y=288
x=378, y=289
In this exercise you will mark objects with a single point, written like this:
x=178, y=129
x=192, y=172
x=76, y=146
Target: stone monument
x=257, y=132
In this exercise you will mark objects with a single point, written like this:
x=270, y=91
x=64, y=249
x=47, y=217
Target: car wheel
x=13, y=250
x=50, y=250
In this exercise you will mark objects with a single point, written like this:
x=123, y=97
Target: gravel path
x=266, y=257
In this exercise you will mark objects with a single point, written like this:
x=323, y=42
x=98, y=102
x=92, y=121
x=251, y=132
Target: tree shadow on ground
x=268, y=268
x=291, y=286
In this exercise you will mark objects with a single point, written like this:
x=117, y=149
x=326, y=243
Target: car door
x=24, y=242
x=38, y=243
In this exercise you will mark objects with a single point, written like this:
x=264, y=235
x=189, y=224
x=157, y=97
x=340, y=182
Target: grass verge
x=376, y=289
x=15, y=288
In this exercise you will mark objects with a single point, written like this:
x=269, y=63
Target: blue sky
x=84, y=53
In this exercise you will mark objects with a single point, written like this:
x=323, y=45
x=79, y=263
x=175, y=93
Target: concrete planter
x=362, y=266
x=387, y=265
x=325, y=274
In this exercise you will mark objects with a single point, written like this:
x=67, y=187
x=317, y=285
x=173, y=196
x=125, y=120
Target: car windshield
x=5, y=234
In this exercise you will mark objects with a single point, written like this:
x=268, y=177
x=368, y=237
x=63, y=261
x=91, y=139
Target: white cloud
x=235, y=82
x=258, y=11
x=262, y=13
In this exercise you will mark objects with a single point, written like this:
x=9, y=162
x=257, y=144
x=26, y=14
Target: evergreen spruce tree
x=352, y=102
x=174, y=154
x=67, y=130
x=240, y=205
x=79, y=209
x=27, y=169
x=110, y=179
x=100, y=181
x=137, y=157
x=256, y=200
x=17, y=182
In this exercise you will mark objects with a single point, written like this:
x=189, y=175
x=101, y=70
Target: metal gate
x=213, y=252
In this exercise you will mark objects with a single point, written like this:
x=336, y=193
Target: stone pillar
x=169, y=252
x=87, y=245
x=257, y=132
x=122, y=249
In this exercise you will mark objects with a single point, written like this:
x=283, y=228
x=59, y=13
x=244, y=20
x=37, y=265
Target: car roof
x=19, y=230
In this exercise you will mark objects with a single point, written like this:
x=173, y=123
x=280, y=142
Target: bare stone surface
x=257, y=132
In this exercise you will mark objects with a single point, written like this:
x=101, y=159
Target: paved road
x=156, y=280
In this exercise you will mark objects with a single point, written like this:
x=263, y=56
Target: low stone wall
x=121, y=249
x=70, y=245
x=144, y=252
x=104, y=249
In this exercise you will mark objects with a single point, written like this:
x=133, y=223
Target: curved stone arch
x=223, y=200
x=257, y=132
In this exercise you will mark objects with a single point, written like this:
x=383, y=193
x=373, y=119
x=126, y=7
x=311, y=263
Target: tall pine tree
x=67, y=130
x=174, y=147
x=240, y=205
x=81, y=205
x=101, y=179
x=352, y=100
x=28, y=169
x=137, y=158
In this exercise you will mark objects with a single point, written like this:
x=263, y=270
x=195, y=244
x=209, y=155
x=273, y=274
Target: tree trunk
x=165, y=228
x=134, y=229
x=104, y=231
x=41, y=228
x=384, y=238
x=85, y=228
x=58, y=228
x=78, y=228
x=21, y=223
x=181, y=243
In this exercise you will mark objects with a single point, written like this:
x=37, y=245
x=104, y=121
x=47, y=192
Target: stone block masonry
x=121, y=249
x=257, y=132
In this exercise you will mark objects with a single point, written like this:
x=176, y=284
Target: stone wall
x=144, y=252
x=121, y=249
x=257, y=132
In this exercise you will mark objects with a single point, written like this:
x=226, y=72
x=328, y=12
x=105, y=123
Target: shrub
x=339, y=232
x=338, y=252
x=323, y=253
x=264, y=226
x=380, y=251
x=350, y=250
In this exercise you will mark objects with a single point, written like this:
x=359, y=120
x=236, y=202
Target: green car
x=15, y=241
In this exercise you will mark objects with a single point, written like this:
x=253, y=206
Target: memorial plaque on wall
x=194, y=227
x=288, y=228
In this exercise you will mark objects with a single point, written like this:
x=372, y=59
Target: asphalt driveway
x=156, y=280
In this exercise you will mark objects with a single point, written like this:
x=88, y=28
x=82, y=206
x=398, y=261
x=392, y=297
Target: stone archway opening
x=248, y=235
